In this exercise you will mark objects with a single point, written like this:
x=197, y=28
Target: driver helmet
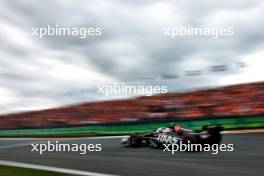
x=177, y=128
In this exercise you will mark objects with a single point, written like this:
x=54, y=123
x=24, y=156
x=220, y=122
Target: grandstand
x=238, y=100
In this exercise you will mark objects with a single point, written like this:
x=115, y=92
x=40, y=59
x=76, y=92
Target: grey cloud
x=132, y=46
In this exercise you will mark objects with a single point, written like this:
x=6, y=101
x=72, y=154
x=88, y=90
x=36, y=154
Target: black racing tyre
x=212, y=129
x=188, y=140
x=191, y=139
x=135, y=141
x=216, y=139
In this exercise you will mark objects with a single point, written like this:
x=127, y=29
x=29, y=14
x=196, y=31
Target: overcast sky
x=53, y=71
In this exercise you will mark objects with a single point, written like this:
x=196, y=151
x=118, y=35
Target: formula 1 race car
x=209, y=134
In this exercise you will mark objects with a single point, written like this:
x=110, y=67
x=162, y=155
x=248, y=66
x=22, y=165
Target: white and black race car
x=173, y=134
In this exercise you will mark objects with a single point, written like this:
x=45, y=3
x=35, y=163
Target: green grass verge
x=227, y=123
x=17, y=171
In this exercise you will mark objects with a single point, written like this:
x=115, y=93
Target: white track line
x=52, y=169
x=98, y=137
x=243, y=131
x=16, y=145
x=105, y=137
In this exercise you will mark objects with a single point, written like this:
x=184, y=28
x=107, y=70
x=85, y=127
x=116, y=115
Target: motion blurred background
x=49, y=85
x=55, y=78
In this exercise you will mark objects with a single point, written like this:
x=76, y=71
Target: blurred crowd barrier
x=238, y=100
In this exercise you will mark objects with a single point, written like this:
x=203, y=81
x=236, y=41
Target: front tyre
x=135, y=141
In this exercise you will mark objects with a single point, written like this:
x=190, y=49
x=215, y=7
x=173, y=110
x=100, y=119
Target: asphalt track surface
x=247, y=158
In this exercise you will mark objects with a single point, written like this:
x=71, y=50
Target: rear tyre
x=189, y=139
x=214, y=131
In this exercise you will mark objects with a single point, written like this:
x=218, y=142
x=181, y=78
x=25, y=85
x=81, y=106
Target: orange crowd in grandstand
x=246, y=99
